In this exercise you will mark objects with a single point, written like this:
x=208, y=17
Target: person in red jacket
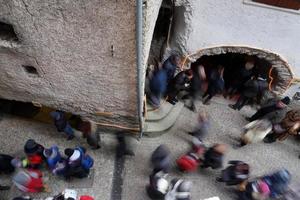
x=34, y=153
x=29, y=181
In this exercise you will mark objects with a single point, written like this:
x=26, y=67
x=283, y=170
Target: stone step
x=160, y=113
x=153, y=128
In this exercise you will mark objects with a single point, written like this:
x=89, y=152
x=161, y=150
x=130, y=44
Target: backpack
x=87, y=161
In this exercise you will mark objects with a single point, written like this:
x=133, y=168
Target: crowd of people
x=29, y=178
x=274, y=121
x=27, y=170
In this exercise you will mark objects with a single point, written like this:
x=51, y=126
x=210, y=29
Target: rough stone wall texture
x=181, y=26
x=69, y=43
x=150, y=13
x=232, y=22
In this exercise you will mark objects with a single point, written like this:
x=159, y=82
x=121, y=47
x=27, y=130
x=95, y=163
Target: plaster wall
x=232, y=22
x=84, y=53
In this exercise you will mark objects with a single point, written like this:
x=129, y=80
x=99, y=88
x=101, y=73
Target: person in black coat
x=196, y=86
x=170, y=66
x=253, y=88
x=214, y=156
x=6, y=167
x=242, y=76
x=180, y=82
x=215, y=84
x=5, y=164
x=236, y=173
x=278, y=105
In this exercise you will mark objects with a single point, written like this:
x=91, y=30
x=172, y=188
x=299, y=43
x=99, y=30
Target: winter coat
x=216, y=83
x=158, y=83
x=61, y=168
x=5, y=164
x=256, y=131
x=60, y=120
x=161, y=159
x=170, y=69
x=254, y=87
x=213, y=159
x=54, y=158
x=153, y=190
x=179, y=81
x=89, y=128
x=175, y=194
x=278, y=182
x=29, y=181
x=188, y=162
x=232, y=175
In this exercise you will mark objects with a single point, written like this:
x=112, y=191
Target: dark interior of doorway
x=29, y=110
x=160, y=34
x=233, y=62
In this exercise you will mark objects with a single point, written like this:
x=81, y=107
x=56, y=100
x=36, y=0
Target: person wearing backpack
x=52, y=156
x=79, y=163
x=179, y=190
x=158, y=186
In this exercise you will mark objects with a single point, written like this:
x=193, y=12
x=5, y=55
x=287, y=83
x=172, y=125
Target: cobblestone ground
x=226, y=128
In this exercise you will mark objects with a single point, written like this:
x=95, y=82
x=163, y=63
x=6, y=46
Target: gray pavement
x=15, y=131
x=226, y=128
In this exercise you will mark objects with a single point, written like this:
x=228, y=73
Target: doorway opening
x=267, y=64
x=233, y=64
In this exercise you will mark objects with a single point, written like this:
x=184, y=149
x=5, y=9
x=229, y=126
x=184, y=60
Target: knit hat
x=47, y=153
x=286, y=100
x=30, y=146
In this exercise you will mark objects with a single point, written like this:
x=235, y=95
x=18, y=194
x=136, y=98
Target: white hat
x=162, y=185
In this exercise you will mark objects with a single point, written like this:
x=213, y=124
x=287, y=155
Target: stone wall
x=234, y=23
x=83, y=52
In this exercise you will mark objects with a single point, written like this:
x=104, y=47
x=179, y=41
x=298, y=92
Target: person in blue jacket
x=52, y=156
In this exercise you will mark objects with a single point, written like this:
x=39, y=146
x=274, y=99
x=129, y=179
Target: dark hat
x=47, y=152
x=69, y=152
x=286, y=100
x=30, y=146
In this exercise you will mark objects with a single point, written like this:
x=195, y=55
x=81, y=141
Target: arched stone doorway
x=279, y=72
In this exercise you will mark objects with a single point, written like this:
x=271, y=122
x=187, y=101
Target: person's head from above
x=220, y=148
x=31, y=147
x=250, y=63
x=175, y=60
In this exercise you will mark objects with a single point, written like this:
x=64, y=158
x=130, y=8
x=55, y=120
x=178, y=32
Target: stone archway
x=280, y=73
